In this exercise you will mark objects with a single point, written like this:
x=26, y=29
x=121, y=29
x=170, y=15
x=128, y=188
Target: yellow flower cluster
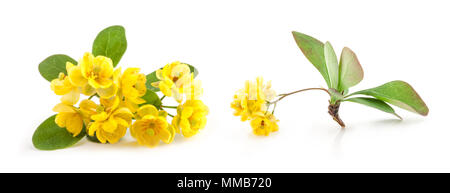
x=176, y=80
x=121, y=101
x=251, y=103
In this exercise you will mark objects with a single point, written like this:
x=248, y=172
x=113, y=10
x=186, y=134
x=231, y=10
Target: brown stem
x=333, y=110
x=301, y=90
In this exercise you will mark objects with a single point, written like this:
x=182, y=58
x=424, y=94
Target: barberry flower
x=63, y=86
x=264, y=124
x=95, y=74
x=191, y=117
x=110, y=121
x=132, y=88
x=73, y=118
x=152, y=127
x=173, y=78
x=252, y=99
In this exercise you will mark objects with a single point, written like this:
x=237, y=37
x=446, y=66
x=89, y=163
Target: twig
x=306, y=89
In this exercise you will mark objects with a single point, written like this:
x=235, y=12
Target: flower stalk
x=301, y=90
x=333, y=108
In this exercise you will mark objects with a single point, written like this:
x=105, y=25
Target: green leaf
x=350, y=70
x=53, y=65
x=49, y=136
x=152, y=98
x=375, y=103
x=313, y=50
x=398, y=93
x=152, y=78
x=345, y=92
x=193, y=69
x=332, y=65
x=110, y=42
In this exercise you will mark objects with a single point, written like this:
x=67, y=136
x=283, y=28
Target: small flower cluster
x=121, y=101
x=252, y=103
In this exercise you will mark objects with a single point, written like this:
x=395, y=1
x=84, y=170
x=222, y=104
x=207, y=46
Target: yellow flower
x=173, y=77
x=247, y=108
x=110, y=121
x=194, y=89
x=251, y=100
x=87, y=109
x=63, y=86
x=94, y=74
x=70, y=92
x=264, y=124
x=112, y=90
x=72, y=118
x=152, y=127
x=97, y=70
x=132, y=84
x=191, y=117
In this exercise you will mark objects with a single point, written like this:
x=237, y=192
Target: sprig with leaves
x=340, y=75
x=123, y=96
x=256, y=102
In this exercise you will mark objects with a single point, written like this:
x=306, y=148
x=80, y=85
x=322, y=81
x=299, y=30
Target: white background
x=230, y=42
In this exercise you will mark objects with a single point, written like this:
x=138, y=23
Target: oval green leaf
x=332, y=65
x=53, y=65
x=49, y=136
x=375, y=103
x=110, y=42
x=398, y=93
x=350, y=70
x=313, y=50
x=151, y=98
x=152, y=78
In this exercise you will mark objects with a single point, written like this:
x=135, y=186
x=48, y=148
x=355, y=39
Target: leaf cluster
x=342, y=74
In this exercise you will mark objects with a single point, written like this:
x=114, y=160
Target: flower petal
x=61, y=119
x=88, y=90
x=164, y=135
x=93, y=127
x=100, y=116
x=107, y=92
x=74, y=124
x=101, y=136
x=186, y=128
x=106, y=66
x=104, y=82
x=72, y=97
x=186, y=112
x=109, y=125
x=147, y=110
x=166, y=87
x=122, y=122
x=63, y=108
x=171, y=129
x=86, y=64
x=75, y=76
